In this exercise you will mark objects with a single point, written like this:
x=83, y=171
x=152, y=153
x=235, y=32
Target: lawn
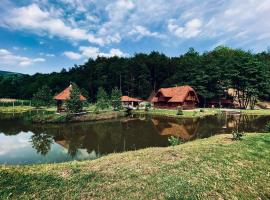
x=186, y=113
x=256, y=112
x=15, y=109
x=212, y=168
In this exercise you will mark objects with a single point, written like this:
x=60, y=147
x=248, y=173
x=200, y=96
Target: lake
x=25, y=143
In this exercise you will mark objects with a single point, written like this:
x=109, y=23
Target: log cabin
x=171, y=98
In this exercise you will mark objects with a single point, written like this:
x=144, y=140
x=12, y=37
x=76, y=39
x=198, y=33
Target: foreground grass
x=213, y=168
x=186, y=113
x=15, y=109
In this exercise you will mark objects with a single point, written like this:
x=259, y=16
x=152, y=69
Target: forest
x=210, y=73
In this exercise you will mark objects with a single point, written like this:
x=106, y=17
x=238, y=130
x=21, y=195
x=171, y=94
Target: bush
x=267, y=127
x=179, y=110
x=237, y=135
x=201, y=110
x=174, y=141
x=147, y=106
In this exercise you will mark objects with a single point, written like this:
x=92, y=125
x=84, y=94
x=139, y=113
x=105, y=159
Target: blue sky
x=48, y=35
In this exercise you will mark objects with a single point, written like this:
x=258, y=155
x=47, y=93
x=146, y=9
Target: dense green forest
x=210, y=73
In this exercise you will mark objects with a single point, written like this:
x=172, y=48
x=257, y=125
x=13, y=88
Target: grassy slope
x=210, y=168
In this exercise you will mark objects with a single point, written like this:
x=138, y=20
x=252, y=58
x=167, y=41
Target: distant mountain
x=6, y=73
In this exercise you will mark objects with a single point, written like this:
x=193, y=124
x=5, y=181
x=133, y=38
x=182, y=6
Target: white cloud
x=33, y=18
x=191, y=29
x=93, y=52
x=47, y=54
x=72, y=55
x=10, y=59
x=90, y=52
x=141, y=31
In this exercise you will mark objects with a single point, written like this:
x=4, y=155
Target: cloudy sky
x=48, y=35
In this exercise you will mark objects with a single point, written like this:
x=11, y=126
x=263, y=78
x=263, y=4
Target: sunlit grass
x=186, y=113
x=15, y=109
x=212, y=168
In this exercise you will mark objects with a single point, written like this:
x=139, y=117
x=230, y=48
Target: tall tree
x=74, y=103
x=116, y=99
x=43, y=97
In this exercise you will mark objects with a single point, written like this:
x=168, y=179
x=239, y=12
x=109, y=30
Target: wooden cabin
x=171, y=98
x=63, y=96
x=130, y=101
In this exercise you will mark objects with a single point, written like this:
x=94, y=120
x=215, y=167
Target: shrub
x=174, y=141
x=201, y=110
x=147, y=106
x=179, y=110
x=237, y=135
x=267, y=127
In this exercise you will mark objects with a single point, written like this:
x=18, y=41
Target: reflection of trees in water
x=127, y=134
x=41, y=142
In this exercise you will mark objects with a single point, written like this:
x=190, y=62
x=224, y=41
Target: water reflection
x=25, y=143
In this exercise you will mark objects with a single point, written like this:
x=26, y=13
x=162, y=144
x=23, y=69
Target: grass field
x=186, y=113
x=16, y=109
x=256, y=112
x=212, y=168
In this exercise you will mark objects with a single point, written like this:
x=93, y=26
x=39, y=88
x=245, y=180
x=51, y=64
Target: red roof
x=176, y=94
x=64, y=95
x=130, y=99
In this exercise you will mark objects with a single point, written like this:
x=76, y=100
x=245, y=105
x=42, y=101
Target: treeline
x=210, y=73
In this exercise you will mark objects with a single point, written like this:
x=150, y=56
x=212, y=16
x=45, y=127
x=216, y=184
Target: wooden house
x=130, y=101
x=170, y=98
x=63, y=96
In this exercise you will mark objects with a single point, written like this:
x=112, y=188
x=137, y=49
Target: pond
x=25, y=143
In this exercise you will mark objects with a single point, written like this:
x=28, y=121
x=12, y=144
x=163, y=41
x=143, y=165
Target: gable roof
x=64, y=95
x=176, y=94
x=130, y=99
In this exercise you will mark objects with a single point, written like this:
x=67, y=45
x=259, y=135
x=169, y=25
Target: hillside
x=212, y=168
x=8, y=73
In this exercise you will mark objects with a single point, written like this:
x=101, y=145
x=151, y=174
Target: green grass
x=212, y=168
x=16, y=109
x=186, y=113
x=256, y=112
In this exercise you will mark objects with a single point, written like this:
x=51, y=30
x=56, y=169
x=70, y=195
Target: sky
x=48, y=35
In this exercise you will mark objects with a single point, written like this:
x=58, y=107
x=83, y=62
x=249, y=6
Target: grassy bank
x=64, y=117
x=173, y=112
x=15, y=109
x=256, y=112
x=213, y=168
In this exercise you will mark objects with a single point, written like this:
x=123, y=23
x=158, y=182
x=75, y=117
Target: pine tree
x=43, y=96
x=102, y=99
x=116, y=99
x=74, y=103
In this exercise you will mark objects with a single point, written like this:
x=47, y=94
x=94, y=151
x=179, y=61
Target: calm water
x=24, y=143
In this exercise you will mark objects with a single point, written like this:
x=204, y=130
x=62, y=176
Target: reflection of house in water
x=185, y=131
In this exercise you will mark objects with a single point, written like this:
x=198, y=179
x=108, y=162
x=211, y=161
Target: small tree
x=74, y=103
x=102, y=99
x=43, y=97
x=116, y=99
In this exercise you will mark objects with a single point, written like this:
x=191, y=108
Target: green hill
x=8, y=73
